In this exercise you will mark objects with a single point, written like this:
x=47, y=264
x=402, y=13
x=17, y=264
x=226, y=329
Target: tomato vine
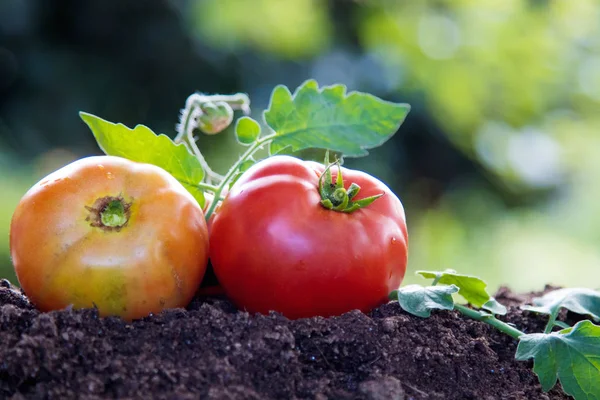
x=568, y=354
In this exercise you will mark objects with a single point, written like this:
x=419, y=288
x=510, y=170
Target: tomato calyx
x=109, y=213
x=335, y=197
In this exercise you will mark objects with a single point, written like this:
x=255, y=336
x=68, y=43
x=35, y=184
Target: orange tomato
x=104, y=231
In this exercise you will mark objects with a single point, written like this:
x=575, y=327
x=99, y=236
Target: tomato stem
x=334, y=196
x=258, y=144
x=109, y=213
x=185, y=135
x=113, y=214
x=490, y=320
x=210, y=175
x=211, y=114
x=207, y=187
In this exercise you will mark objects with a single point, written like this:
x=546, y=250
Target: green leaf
x=142, y=145
x=578, y=300
x=247, y=130
x=471, y=287
x=419, y=300
x=328, y=118
x=494, y=307
x=571, y=355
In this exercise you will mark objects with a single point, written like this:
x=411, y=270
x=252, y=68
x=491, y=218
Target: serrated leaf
x=328, y=118
x=471, y=287
x=494, y=307
x=419, y=300
x=571, y=355
x=247, y=130
x=578, y=300
x=142, y=145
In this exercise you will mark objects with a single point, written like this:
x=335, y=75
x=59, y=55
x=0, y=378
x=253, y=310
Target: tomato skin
x=155, y=261
x=274, y=247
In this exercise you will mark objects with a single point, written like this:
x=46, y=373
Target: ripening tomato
x=104, y=231
x=287, y=240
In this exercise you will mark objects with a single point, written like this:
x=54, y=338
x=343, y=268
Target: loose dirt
x=212, y=351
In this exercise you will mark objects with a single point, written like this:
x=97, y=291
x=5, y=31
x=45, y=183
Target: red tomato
x=275, y=247
x=104, y=231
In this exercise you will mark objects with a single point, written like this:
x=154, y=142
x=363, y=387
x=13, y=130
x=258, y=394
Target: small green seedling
x=571, y=354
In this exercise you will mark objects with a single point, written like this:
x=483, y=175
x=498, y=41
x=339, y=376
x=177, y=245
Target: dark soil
x=212, y=351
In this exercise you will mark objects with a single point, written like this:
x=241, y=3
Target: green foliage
x=328, y=118
x=578, y=300
x=247, y=130
x=312, y=118
x=446, y=55
x=290, y=29
x=142, y=145
x=470, y=287
x=571, y=355
x=419, y=300
x=494, y=307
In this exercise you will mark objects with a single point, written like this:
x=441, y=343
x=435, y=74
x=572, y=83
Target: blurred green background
x=498, y=163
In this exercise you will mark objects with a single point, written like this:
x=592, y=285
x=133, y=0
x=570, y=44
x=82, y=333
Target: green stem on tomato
x=210, y=175
x=336, y=197
x=193, y=110
x=247, y=154
x=490, y=320
x=207, y=186
x=185, y=136
x=114, y=214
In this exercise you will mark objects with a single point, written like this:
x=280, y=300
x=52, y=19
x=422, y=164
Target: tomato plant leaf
x=328, y=118
x=578, y=300
x=142, y=145
x=571, y=355
x=494, y=307
x=247, y=130
x=419, y=300
x=471, y=287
